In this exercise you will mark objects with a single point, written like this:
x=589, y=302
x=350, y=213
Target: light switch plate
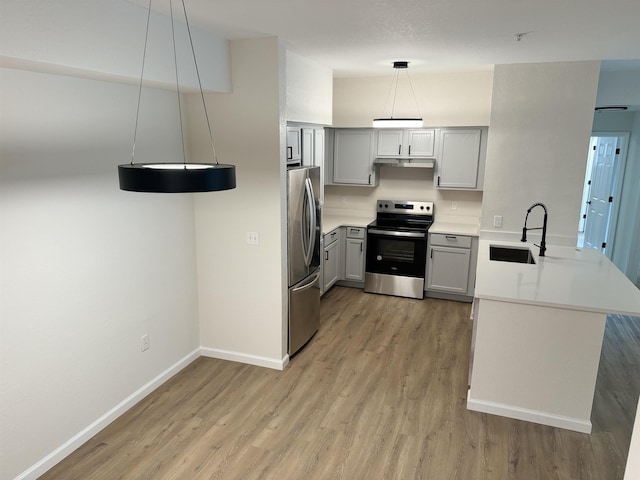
x=497, y=221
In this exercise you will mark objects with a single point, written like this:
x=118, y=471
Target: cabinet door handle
x=289, y=153
x=326, y=255
x=409, y=149
x=399, y=149
x=361, y=248
x=369, y=179
x=438, y=180
x=431, y=253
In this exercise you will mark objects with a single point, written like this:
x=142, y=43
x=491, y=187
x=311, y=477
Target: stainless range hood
x=405, y=162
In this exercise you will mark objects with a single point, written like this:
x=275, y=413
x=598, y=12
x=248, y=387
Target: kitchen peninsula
x=538, y=331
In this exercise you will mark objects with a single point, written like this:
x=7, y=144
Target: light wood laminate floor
x=379, y=393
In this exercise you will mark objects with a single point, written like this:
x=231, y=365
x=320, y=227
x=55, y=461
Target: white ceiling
x=363, y=37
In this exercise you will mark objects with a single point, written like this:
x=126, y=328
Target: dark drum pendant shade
x=176, y=177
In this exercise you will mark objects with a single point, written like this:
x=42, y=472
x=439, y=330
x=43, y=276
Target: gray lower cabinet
x=354, y=254
x=451, y=264
x=331, y=259
x=343, y=257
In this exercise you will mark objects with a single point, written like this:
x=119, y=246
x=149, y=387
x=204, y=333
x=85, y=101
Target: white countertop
x=567, y=277
x=454, y=228
x=331, y=221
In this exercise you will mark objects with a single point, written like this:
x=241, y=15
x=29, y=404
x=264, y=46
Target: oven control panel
x=405, y=207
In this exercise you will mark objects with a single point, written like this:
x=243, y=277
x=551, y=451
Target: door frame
x=619, y=168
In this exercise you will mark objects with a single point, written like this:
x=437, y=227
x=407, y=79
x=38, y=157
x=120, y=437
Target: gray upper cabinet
x=308, y=152
x=294, y=145
x=318, y=147
x=353, y=155
x=459, y=154
x=461, y=158
x=406, y=143
x=421, y=143
x=305, y=145
x=389, y=143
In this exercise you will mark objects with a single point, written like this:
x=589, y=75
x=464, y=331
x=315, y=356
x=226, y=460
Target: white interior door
x=602, y=186
x=587, y=185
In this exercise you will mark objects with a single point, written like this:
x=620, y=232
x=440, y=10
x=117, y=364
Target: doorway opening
x=601, y=192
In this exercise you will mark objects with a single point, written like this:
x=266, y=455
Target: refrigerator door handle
x=311, y=227
x=307, y=285
x=304, y=226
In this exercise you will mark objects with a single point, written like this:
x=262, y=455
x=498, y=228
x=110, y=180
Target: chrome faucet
x=543, y=242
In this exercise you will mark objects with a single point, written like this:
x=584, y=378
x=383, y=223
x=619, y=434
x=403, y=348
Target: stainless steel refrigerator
x=303, y=239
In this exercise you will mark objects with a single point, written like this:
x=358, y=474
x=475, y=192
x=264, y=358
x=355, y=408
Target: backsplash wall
x=403, y=184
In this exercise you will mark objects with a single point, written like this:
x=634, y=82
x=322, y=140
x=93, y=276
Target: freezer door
x=304, y=311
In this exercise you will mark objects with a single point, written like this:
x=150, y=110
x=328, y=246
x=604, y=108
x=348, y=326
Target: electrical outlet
x=253, y=238
x=144, y=342
x=497, y=221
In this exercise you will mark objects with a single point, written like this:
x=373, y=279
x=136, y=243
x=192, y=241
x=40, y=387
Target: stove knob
x=380, y=205
x=386, y=205
x=422, y=207
x=379, y=257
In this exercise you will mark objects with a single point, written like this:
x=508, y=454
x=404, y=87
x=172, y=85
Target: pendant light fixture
x=177, y=177
x=392, y=122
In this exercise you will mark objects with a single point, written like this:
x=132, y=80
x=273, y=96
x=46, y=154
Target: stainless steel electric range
x=397, y=248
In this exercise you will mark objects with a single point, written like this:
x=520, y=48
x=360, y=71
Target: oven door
x=396, y=253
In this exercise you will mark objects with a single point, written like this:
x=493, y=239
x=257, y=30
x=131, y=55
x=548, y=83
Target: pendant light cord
x=415, y=100
x=395, y=92
x=394, y=81
x=175, y=64
x=204, y=104
x=393, y=88
x=144, y=56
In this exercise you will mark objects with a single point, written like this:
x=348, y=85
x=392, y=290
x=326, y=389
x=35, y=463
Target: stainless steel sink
x=510, y=254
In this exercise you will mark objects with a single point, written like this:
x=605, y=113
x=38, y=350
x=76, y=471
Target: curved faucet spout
x=543, y=242
x=537, y=205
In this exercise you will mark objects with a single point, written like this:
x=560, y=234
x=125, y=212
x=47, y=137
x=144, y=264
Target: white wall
x=626, y=254
x=403, y=184
x=85, y=269
x=241, y=286
x=104, y=39
x=612, y=121
x=623, y=251
x=309, y=91
x=619, y=88
x=453, y=99
x=541, y=117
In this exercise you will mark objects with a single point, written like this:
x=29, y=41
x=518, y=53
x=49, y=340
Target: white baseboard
x=83, y=436
x=60, y=453
x=276, y=364
x=544, y=418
